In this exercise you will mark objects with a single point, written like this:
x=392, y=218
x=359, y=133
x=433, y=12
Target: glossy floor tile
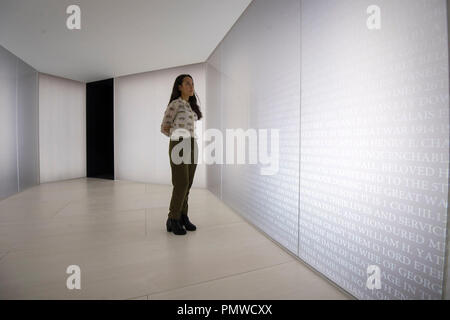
x=114, y=231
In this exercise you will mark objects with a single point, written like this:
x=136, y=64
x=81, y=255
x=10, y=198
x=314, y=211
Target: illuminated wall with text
x=360, y=93
x=374, y=148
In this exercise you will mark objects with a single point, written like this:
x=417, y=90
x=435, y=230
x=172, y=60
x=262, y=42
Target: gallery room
x=216, y=150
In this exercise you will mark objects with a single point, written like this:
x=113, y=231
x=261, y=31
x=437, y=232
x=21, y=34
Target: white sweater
x=179, y=115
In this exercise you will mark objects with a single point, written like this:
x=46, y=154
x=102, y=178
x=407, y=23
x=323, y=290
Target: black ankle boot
x=186, y=223
x=175, y=226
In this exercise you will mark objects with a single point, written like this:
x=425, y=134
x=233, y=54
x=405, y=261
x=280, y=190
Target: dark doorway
x=100, y=129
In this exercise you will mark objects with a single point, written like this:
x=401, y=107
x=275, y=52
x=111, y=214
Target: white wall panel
x=214, y=119
x=254, y=82
x=27, y=125
x=8, y=125
x=19, y=139
x=62, y=128
x=141, y=151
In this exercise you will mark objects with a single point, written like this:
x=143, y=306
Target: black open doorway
x=100, y=129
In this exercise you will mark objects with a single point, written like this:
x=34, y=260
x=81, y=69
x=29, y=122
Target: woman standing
x=179, y=124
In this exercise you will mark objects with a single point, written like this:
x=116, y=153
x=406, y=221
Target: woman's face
x=187, y=87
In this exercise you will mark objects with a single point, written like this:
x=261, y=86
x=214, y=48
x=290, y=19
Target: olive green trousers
x=182, y=175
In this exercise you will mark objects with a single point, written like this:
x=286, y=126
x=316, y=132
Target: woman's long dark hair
x=192, y=99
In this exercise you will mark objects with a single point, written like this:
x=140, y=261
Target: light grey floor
x=115, y=232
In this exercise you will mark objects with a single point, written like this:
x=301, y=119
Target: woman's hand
x=166, y=129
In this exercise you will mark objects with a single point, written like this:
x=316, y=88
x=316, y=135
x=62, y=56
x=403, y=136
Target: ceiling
x=117, y=37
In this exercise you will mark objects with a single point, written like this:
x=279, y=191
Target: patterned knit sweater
x=179, y=115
